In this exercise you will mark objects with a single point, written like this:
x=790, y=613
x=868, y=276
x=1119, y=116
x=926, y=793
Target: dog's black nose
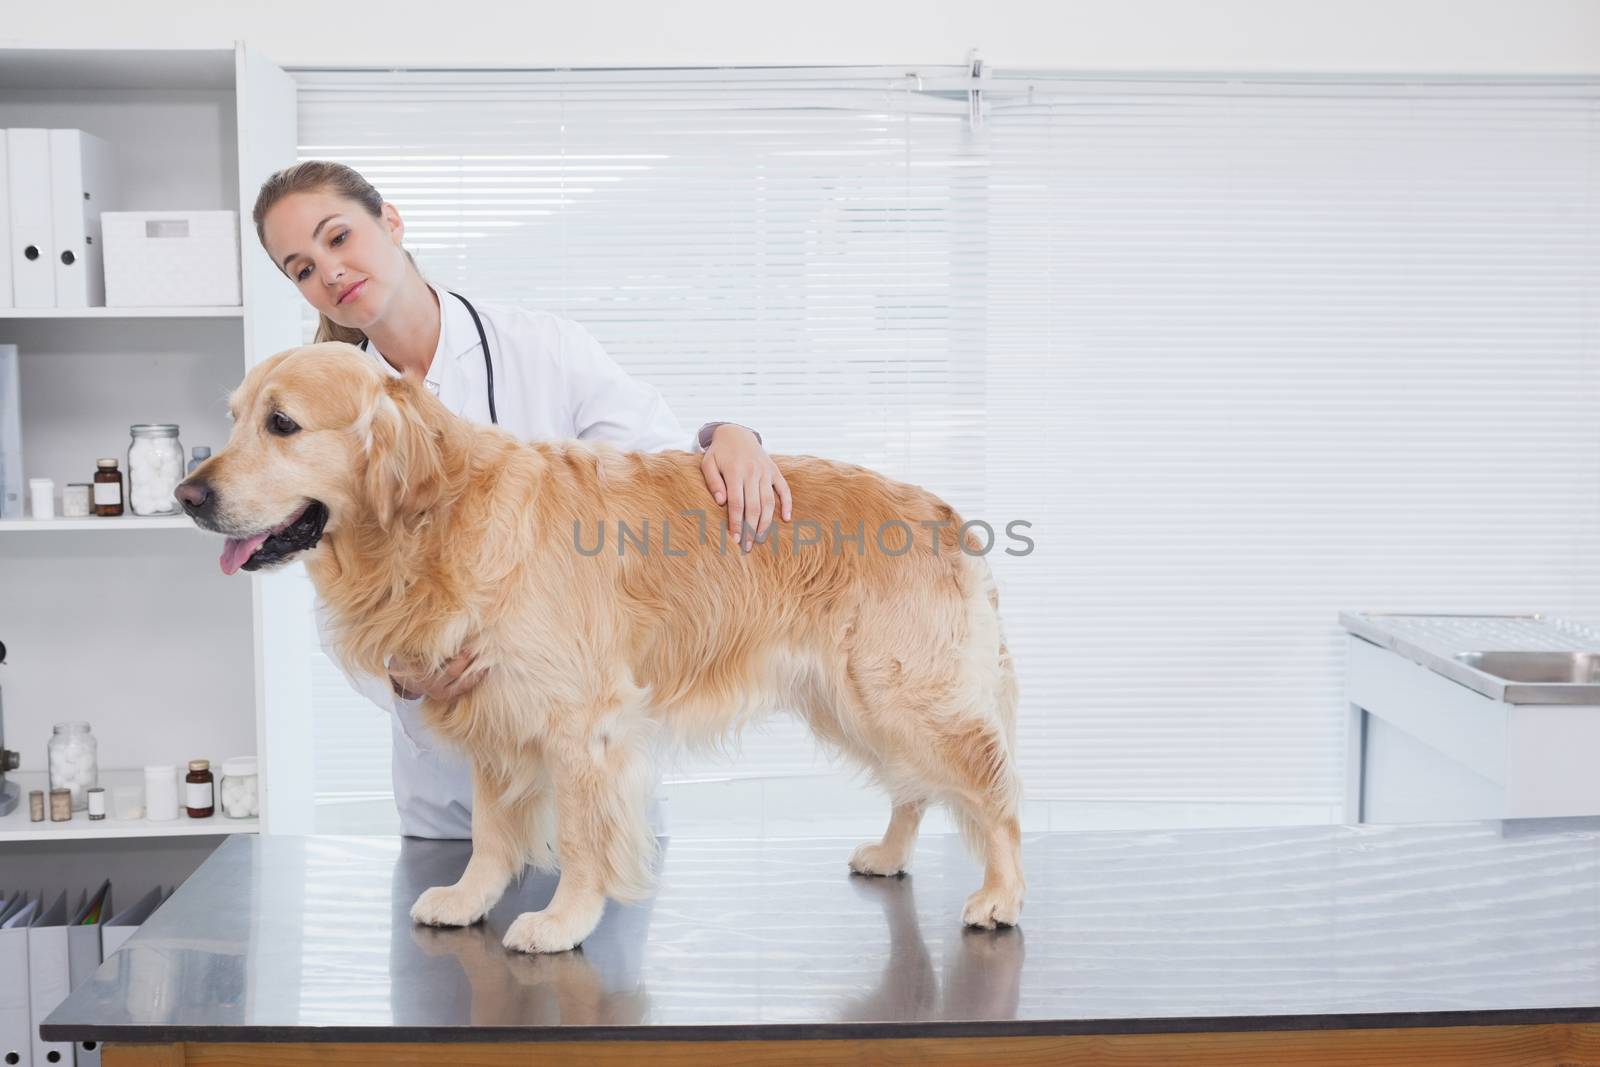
x=193, y=496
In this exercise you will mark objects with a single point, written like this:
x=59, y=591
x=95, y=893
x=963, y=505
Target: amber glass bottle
x=107, y=488
x=200, y=795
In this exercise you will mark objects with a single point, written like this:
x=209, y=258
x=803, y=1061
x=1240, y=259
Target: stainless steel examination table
x=1446, y=942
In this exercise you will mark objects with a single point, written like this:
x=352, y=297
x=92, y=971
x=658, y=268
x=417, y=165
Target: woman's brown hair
x=318, y=175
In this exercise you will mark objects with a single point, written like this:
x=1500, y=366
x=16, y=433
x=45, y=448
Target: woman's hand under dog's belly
x=455, y=678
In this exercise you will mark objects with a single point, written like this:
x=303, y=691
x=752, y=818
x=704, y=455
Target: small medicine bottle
x=107, y=488
x=199, y=798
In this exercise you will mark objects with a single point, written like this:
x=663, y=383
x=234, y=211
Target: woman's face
x=347, y=264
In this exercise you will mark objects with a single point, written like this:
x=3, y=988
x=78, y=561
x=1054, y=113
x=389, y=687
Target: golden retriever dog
x=426, y=534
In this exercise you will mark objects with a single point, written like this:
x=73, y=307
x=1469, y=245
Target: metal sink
x=1545, y=660
x=1537, y=668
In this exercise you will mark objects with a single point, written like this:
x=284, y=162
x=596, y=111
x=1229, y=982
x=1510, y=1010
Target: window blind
x=1244, y=352
x=1262, y=351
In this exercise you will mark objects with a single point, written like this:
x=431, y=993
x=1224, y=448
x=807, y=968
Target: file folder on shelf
x=5, y=242
x=13, y=501
x=83, y=955
x=82, y=185
x=126, y=923
x=32, y=250
x=48, y=978
x=16, y=1026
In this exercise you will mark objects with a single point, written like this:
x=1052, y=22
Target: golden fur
x=444, y=534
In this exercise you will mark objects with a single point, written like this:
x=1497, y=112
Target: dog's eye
x=281, y=424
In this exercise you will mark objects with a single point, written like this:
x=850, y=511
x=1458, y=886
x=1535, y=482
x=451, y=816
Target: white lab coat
x=552, y=381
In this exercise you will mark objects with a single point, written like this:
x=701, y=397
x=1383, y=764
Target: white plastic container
x=171, y=258
x=128, y=802
x=241, y=793
x=75, y=500
x=161, y=792
x=43, y=492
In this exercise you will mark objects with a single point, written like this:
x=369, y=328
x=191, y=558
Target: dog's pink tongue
x=237, y=552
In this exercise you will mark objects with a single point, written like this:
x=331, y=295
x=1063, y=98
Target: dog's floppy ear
x=404, y=464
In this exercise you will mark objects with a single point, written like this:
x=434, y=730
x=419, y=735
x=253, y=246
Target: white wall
x=1421, y=36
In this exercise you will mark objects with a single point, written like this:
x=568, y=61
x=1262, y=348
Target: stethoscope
x=488, y=364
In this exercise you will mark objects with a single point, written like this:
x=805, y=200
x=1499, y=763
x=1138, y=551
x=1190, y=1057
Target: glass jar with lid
x=74, y=762
x=155, y=467
x=240, y=789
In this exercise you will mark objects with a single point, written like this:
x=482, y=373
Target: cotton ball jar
x=241, y=795
x=74, y=761
x=155, y=467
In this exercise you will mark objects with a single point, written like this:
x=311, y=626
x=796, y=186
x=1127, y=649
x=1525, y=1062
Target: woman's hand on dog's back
x=456, y=677
x=740, y=474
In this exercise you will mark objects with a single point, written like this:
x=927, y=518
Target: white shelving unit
x=142, y=636
x=122, y=522
x=18, y=826
x=123, y=313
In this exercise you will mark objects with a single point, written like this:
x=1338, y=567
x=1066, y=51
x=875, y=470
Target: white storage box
x=171, y=258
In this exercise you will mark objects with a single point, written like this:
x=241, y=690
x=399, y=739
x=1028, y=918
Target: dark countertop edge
x=162, y=1034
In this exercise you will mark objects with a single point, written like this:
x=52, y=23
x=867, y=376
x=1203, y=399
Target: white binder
x=83, y=955
x=127, y=922
x=82, y=185
x=15, y=1028
x=5, y=244
x=12, y=498
x=32, y=251
x=48, y=978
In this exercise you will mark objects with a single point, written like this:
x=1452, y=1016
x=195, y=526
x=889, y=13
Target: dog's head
x=322, y=438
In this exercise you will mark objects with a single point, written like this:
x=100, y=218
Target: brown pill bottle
x=199, y=790
x=107, y=488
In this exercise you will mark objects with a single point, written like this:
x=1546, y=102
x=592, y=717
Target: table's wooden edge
x=1546, y=1045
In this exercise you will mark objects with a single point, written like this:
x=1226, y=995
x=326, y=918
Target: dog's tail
x=1007, y=698
x=1005, y=695
x=1006, y=781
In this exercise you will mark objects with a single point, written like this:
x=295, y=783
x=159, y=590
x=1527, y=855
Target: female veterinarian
x=533, y=373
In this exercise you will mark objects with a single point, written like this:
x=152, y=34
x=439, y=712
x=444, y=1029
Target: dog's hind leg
x=977, y=750
x=501, y=827
x=985, y=803
x=603, y=780
x=968, y=764
x=891, y=855
x=998, y=902
x=951, y=737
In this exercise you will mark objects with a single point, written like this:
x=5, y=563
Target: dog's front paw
x=446, y=905
x=988, y=908
x=540, y=931
x=873, y=858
